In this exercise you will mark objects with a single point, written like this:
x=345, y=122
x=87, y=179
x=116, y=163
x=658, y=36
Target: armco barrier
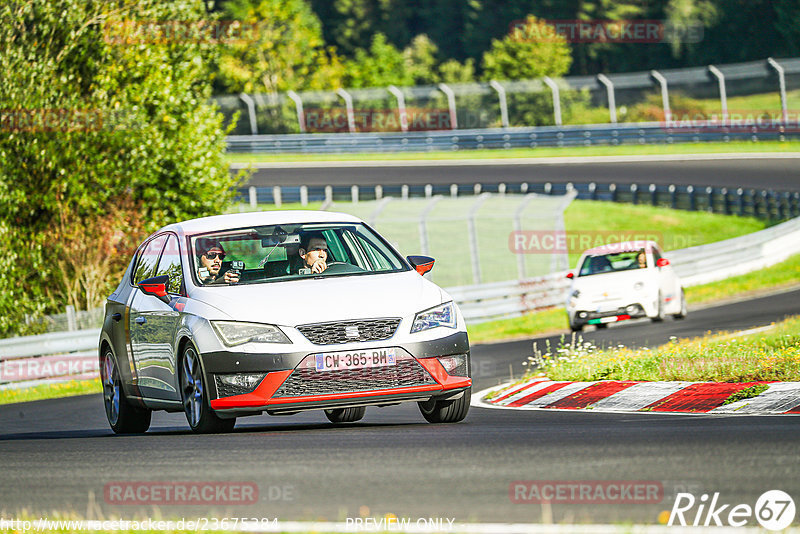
x=505, y=138
x=34, y=359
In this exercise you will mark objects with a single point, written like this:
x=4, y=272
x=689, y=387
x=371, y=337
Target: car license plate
x=357, y=359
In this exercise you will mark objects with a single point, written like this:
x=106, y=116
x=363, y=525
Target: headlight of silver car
x=235, y=333
x=442, y=315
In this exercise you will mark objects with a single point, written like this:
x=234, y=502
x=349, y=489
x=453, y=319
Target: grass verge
x=623, y=150
x=765, y=356
x=51, y=391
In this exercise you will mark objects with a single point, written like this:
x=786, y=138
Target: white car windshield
x=288, y=252
x=609, y=263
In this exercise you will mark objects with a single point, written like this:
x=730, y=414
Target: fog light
x=582, y=315
x=455, y=365
x=632, y=308
x=238, y=384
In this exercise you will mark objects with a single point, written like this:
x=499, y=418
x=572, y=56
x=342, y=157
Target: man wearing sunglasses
x=211, y=255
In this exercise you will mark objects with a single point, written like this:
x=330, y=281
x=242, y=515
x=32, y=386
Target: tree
x=531, y=50
x=106, y=136
x=283, y=49
x=379, y=66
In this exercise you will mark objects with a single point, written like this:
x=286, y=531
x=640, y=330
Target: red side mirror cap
x=570, y=275
x=422, y=264
x=156, y=286
x=663, y=262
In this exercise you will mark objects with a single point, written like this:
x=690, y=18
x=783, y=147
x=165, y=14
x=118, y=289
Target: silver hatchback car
x=278, y=312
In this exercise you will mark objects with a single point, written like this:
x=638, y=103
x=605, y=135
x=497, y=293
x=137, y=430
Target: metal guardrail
x=31, y=360
x=505, y=138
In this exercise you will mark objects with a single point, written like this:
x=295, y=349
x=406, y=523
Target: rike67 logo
x=774, y=510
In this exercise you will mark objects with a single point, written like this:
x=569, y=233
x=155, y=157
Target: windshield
x=288, y=252
x=608, y=263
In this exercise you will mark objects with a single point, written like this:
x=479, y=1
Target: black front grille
x=307, y=381
x=349, y=331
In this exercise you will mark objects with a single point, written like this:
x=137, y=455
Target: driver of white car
x=314, y=252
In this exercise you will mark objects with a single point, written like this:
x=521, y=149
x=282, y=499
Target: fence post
x=612, y=188
x=401, y=107
x=348, y=102
x=378, y=192
x=634, y=191
x=453, y=190
x=556, y=99
x=404, y=192
x=251, y=112
x=548, y=187
x=253, y=193
x=354, y=194
x=710, y=194
x=726, y=207
x=451, y=104
x=501, y=96
x=298, y=106
x=673, y=197
x=782, y=83
x=473, y=238
x=423, y=225
x=276, y=196
x=740, y=199
x=428, y=190
x=328, y=194
x=501, y=189
x=653, y=195
x=523, y=188
x=612, y=102
x=593, y=191
x=304, y=195
x=518, y=227
x=664, y=94
x=690, y=192
x=476, y=189
x=723, y=94
x=72, y=320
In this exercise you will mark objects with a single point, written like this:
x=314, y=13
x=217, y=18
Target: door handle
x=116, y=316
x=140, y=320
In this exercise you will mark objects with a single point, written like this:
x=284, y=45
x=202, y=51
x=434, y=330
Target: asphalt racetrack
x=61, y=454
x=779, y=174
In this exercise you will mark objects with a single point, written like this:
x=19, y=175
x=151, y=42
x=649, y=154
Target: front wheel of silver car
x=194, y=395
x=123, y=417
x=346, y=415
x=446, y=411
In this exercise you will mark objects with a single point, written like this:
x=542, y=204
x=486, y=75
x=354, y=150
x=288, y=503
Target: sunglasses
x=214, y=255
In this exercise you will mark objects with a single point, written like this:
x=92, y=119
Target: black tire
x=346, y=415
x=194, y=396
x=575, y=327
x=123, y=417
x=660, y=313
x=446, y=411
x=682, y=314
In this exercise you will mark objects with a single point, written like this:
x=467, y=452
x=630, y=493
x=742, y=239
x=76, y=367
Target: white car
x=622, y=281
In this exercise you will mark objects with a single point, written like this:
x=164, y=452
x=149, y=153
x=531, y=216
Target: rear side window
x=148, y=259
x=170, y=265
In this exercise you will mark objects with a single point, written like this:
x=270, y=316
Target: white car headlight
x=442, y=315
x=234, y=333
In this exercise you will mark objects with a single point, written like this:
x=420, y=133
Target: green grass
x=623, y=150
x=746, y=393
x=51, y=391
x=785, y=274
x=773, y=355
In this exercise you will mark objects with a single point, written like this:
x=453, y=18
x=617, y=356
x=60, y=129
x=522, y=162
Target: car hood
x=297, y=302
x=612, y=283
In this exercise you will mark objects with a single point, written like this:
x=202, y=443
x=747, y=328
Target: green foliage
x=283, y=49
x=531, y=50
x=379, y=66
x=117, y=140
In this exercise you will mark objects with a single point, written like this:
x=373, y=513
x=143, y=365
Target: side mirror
x=157, y=287
x=570, y=275
x=663, y=262
x=422, y=264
